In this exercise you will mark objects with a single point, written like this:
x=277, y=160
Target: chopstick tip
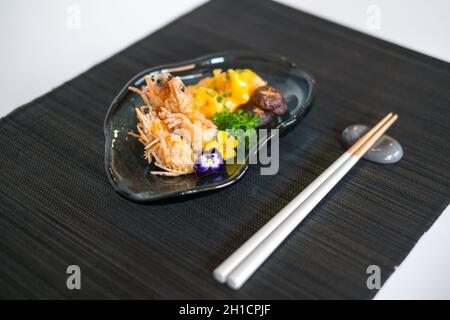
x=233, y=284
x=219, y=276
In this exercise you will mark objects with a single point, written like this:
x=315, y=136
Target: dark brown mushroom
x=269, y=99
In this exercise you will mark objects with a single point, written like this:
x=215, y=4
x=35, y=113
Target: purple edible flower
x=209, y=161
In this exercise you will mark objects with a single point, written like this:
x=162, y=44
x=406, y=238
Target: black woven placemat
x=58, y=209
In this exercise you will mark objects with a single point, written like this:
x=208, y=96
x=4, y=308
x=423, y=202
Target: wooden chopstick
x=244, y=261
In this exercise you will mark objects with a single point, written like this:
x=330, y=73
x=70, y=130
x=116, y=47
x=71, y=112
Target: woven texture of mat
x=58, y=209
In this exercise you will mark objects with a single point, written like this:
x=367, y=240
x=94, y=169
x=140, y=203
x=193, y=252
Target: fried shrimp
x=169, y=127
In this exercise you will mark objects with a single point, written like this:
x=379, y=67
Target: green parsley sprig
x=235, y=120
x=232, y=121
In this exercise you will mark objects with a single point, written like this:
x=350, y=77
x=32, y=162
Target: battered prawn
x=172, y=132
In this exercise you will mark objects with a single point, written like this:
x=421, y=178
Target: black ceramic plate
x=129, y=172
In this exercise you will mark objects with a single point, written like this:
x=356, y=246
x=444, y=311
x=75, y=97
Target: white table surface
x=47, y=42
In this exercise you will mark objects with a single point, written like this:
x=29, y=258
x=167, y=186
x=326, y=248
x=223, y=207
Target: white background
x=45, y=43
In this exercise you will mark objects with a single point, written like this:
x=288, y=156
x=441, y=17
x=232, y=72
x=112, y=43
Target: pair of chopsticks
x=245, y=261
